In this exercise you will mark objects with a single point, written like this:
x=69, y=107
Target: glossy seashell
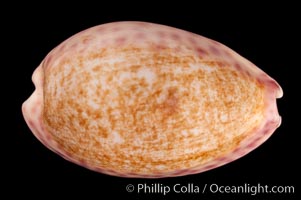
x=137, y=99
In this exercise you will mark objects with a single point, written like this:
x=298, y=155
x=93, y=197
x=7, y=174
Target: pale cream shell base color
x=137, y=99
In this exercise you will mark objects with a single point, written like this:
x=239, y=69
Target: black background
x=264, y=35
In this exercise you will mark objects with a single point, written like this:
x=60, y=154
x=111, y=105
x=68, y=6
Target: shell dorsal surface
x=137, y=99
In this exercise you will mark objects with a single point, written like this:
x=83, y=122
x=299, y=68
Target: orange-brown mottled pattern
x=101, y=108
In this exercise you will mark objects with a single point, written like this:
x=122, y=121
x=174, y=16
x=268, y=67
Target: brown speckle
x=48, y=60
x=73, y=46
x=142, y=24
x=62, y=47
x=140, y=36
x=170, y=104
x=201, y=52
x=192, y=41
x=120, y=40
x=215, y=50
x=162, y=34
x=175, y=36
x=222, y=159
x=238, y=67
x=209, y=167
x=34, y=110
x=86, y=40
x=116, y=29
x=160, y=46
x=31, y=124
x=101, y=29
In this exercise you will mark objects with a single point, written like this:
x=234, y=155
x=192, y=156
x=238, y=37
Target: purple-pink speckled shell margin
x=33, y=108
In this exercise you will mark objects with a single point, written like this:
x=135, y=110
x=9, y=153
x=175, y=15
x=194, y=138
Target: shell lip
x=279, y=92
